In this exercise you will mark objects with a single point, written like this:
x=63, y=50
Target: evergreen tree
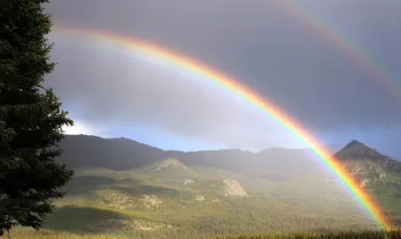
x=30, y=118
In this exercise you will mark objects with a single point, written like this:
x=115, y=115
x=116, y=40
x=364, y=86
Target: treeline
x=180, y=234
x=339, y=235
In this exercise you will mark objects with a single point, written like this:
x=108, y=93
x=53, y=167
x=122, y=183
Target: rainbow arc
x=184, y=63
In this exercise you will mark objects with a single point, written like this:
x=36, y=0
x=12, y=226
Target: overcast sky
x=267, y=45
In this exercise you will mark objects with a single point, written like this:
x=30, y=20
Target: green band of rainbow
x=182, y=62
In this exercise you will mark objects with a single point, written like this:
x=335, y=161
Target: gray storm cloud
x=105, y=87
x=259, y=42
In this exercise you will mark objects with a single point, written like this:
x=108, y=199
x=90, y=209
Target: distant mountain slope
x=120, y=154
x=271, y=164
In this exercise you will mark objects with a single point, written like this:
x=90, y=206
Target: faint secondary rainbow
x=355, y=52
x=230, y=84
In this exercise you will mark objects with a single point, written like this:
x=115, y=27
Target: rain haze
x=270, y=47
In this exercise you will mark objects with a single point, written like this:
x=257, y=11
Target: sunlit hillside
x=172, y=199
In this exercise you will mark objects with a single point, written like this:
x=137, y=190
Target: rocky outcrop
x=170, y=164
x=231, y=187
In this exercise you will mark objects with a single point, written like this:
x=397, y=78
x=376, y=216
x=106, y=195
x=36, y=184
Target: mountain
x=377, y=173
x=273, y=164
x=356, y=151
x=123, y=186
x=369, y=166
x=81, y=151
x=118, y=154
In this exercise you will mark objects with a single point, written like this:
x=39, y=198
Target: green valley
x=183, y=198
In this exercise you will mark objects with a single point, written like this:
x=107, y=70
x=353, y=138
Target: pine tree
x=30, y=118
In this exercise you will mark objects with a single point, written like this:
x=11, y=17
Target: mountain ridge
x=197, y=176
x=120, y=153
x=274, y=163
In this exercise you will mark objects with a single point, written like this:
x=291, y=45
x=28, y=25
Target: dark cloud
x=124, y=90
x=261, y=43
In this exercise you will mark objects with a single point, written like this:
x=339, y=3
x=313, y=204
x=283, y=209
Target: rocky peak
x=357, y=150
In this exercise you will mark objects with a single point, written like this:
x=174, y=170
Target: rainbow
x=367, y=62
x=182, y=62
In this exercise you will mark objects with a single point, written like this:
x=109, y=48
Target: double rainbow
x=184, y=63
